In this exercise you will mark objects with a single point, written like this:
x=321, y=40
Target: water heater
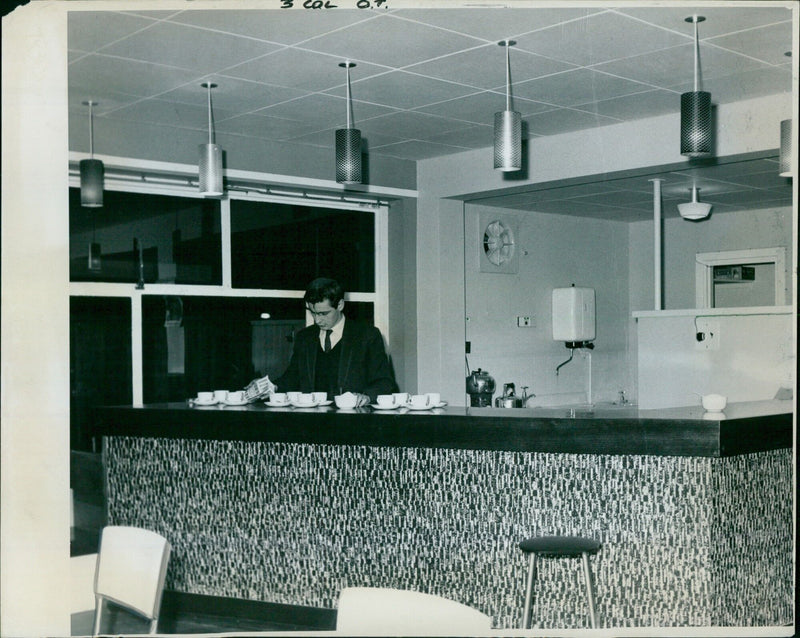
x=573, y=316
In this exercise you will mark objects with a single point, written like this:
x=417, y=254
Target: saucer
x=298, y=404
x=421, y=407
x=269, y=404
x=242, y=402
x=385, y=407
x=324, y=403
x=204, y=403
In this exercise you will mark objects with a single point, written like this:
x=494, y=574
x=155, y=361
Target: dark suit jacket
x=363, y=364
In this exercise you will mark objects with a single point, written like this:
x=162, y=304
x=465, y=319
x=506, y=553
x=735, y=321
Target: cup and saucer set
x=297, y=400
x=406, y=401
x=220, y=398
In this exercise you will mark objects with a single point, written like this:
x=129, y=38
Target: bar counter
x=289, y=506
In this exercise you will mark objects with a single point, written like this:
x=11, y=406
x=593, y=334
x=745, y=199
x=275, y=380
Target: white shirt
x=336, y=334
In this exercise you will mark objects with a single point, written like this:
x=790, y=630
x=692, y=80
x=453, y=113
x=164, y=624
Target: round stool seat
x=560, y=545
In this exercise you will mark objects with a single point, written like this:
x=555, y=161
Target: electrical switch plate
x=525, y=322
x=707, y=336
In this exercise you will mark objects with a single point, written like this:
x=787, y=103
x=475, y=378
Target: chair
x=131, y=568
x=380, y=611
x=559, y=547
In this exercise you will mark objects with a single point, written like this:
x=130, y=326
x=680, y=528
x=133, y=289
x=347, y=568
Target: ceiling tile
x=91, y=30
x=390, y=41
x=168, y=113
x=188, y=48
x=580, y=86
x=563, y=120
x=481, y=107
x=270, y=128
x=106, y=73
x=599, y=38
x=300, y=69
x=636, y=105
x=469, y=137
x=233, y=94
x=407, y=124
x=746, y=85
x=485, y=67
x=403, y=90
x=767, y=44
x=722, y=19
x=417, y=150
x=274, y=25
x=493, y=23
x=325, y=111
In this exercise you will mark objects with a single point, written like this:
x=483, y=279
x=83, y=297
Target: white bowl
x=714, y=402
x=346, y=401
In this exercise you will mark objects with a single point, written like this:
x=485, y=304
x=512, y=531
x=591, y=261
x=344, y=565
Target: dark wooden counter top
x=743, y=428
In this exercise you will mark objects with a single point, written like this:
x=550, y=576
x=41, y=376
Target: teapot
x=509, y=398
x=480, y=388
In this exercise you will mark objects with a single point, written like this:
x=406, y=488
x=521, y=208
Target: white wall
x=554, y=251
x=756, y=357
x=682, y=240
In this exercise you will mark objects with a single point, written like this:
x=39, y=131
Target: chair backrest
x=390, y=612
x=131, y=568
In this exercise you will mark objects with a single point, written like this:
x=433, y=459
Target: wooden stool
x=559, y=547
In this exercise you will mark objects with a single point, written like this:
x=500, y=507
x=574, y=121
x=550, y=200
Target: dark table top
x=686, y=431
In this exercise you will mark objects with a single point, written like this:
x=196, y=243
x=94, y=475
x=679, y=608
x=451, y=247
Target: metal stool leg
x=526, y=614
x=587, y=574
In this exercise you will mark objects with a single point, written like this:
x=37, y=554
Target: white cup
x=420, y=401
x=279, y=398
x=386, y=400
x=236, y=397
x=435, y=398
x=220, y=395
x=293, y=396
x=346, y=401
x=320, y=397
x=306, y=397
x=400, y=398
x=205, y=397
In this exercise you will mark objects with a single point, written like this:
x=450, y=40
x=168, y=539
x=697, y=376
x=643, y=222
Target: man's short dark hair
x=323, y=288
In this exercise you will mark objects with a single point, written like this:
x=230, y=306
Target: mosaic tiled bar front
x=686, y=541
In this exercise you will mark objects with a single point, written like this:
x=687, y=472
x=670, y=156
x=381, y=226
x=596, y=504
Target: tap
x=622, y=400
x=526, y=396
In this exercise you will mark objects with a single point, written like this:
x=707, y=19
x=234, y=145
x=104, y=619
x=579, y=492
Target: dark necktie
x=328, y=340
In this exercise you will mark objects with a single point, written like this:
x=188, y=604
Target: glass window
x=139, y=236
x=285, y=246
x=100, y=360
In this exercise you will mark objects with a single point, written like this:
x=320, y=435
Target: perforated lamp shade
x=508, y=127
x=209, y=167
x=348, y=143
x=696, y=132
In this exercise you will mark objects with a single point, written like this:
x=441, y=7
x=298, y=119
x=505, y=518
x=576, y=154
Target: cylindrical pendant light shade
x=91, y=183
x=508, y=127
x=696, y=129
x=210, y=169
x=210, y=165
x=348, y=156
x=508, y=141
x=786, y=149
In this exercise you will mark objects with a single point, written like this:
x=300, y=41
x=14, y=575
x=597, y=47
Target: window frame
x=155, y=185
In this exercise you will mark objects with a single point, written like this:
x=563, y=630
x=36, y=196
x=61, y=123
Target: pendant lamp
x=210, y=166
x=694, y=210
x=696, y=110
x=91, y=170
x=348, y=143
x=785, y=158
x=508, y=127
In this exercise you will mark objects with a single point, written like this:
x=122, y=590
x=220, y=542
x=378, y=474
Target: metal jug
x=480, y=388
x=509, y=398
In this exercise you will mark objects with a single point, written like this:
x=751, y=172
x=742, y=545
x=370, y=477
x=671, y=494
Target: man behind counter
x=336, y=354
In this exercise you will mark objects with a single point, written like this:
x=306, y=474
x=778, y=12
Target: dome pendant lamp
x=508, y=127
x=210, y=166
x=348, y=142
x=694, y=210
x=696, y=110
x=91, y=170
